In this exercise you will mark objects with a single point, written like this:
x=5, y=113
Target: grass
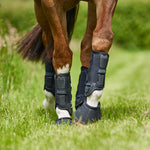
x=19, y=13
x=125, y=107
x=125, y=104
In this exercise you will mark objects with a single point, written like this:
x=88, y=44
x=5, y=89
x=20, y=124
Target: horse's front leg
x=101, y=43
x=62, y=59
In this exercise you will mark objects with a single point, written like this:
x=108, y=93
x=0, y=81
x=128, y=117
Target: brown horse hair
x=31, y=46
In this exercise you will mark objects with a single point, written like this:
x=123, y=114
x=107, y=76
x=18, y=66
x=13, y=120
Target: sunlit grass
x=125, y=103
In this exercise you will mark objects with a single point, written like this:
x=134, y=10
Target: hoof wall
x=64, y=121
x=86, y=113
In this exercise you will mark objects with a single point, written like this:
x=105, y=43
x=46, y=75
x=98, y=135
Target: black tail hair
x=31, y=47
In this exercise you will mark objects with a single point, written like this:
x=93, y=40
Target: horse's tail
x=31, y=47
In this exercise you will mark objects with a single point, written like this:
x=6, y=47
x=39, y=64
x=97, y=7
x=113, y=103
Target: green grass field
x=125, y=107
x=125, y=104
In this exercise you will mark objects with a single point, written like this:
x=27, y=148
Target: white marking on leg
x=93, y=99
x=62, y=113
x=49, y=101
x=64, y=69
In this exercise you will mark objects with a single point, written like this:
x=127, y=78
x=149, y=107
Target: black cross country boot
x=49, y=86
x=49, y=77
x=95, y=81
x=80, y=95
x=63, y=96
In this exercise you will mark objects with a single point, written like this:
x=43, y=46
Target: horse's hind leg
x=86, y=50
x=62, y=58
x=101, y=43
x=49, y=89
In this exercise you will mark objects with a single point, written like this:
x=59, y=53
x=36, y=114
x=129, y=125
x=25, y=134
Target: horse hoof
x=86, y=113
x=64, y=121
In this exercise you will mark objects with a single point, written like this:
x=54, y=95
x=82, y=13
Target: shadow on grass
x=49, y=115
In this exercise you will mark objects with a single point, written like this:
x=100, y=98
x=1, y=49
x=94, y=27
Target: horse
x=49, y=41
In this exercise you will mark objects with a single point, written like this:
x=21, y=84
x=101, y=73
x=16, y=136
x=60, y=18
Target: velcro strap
x=61, y=85
x=103, y=60
x=101, y=71
x=49, y=82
